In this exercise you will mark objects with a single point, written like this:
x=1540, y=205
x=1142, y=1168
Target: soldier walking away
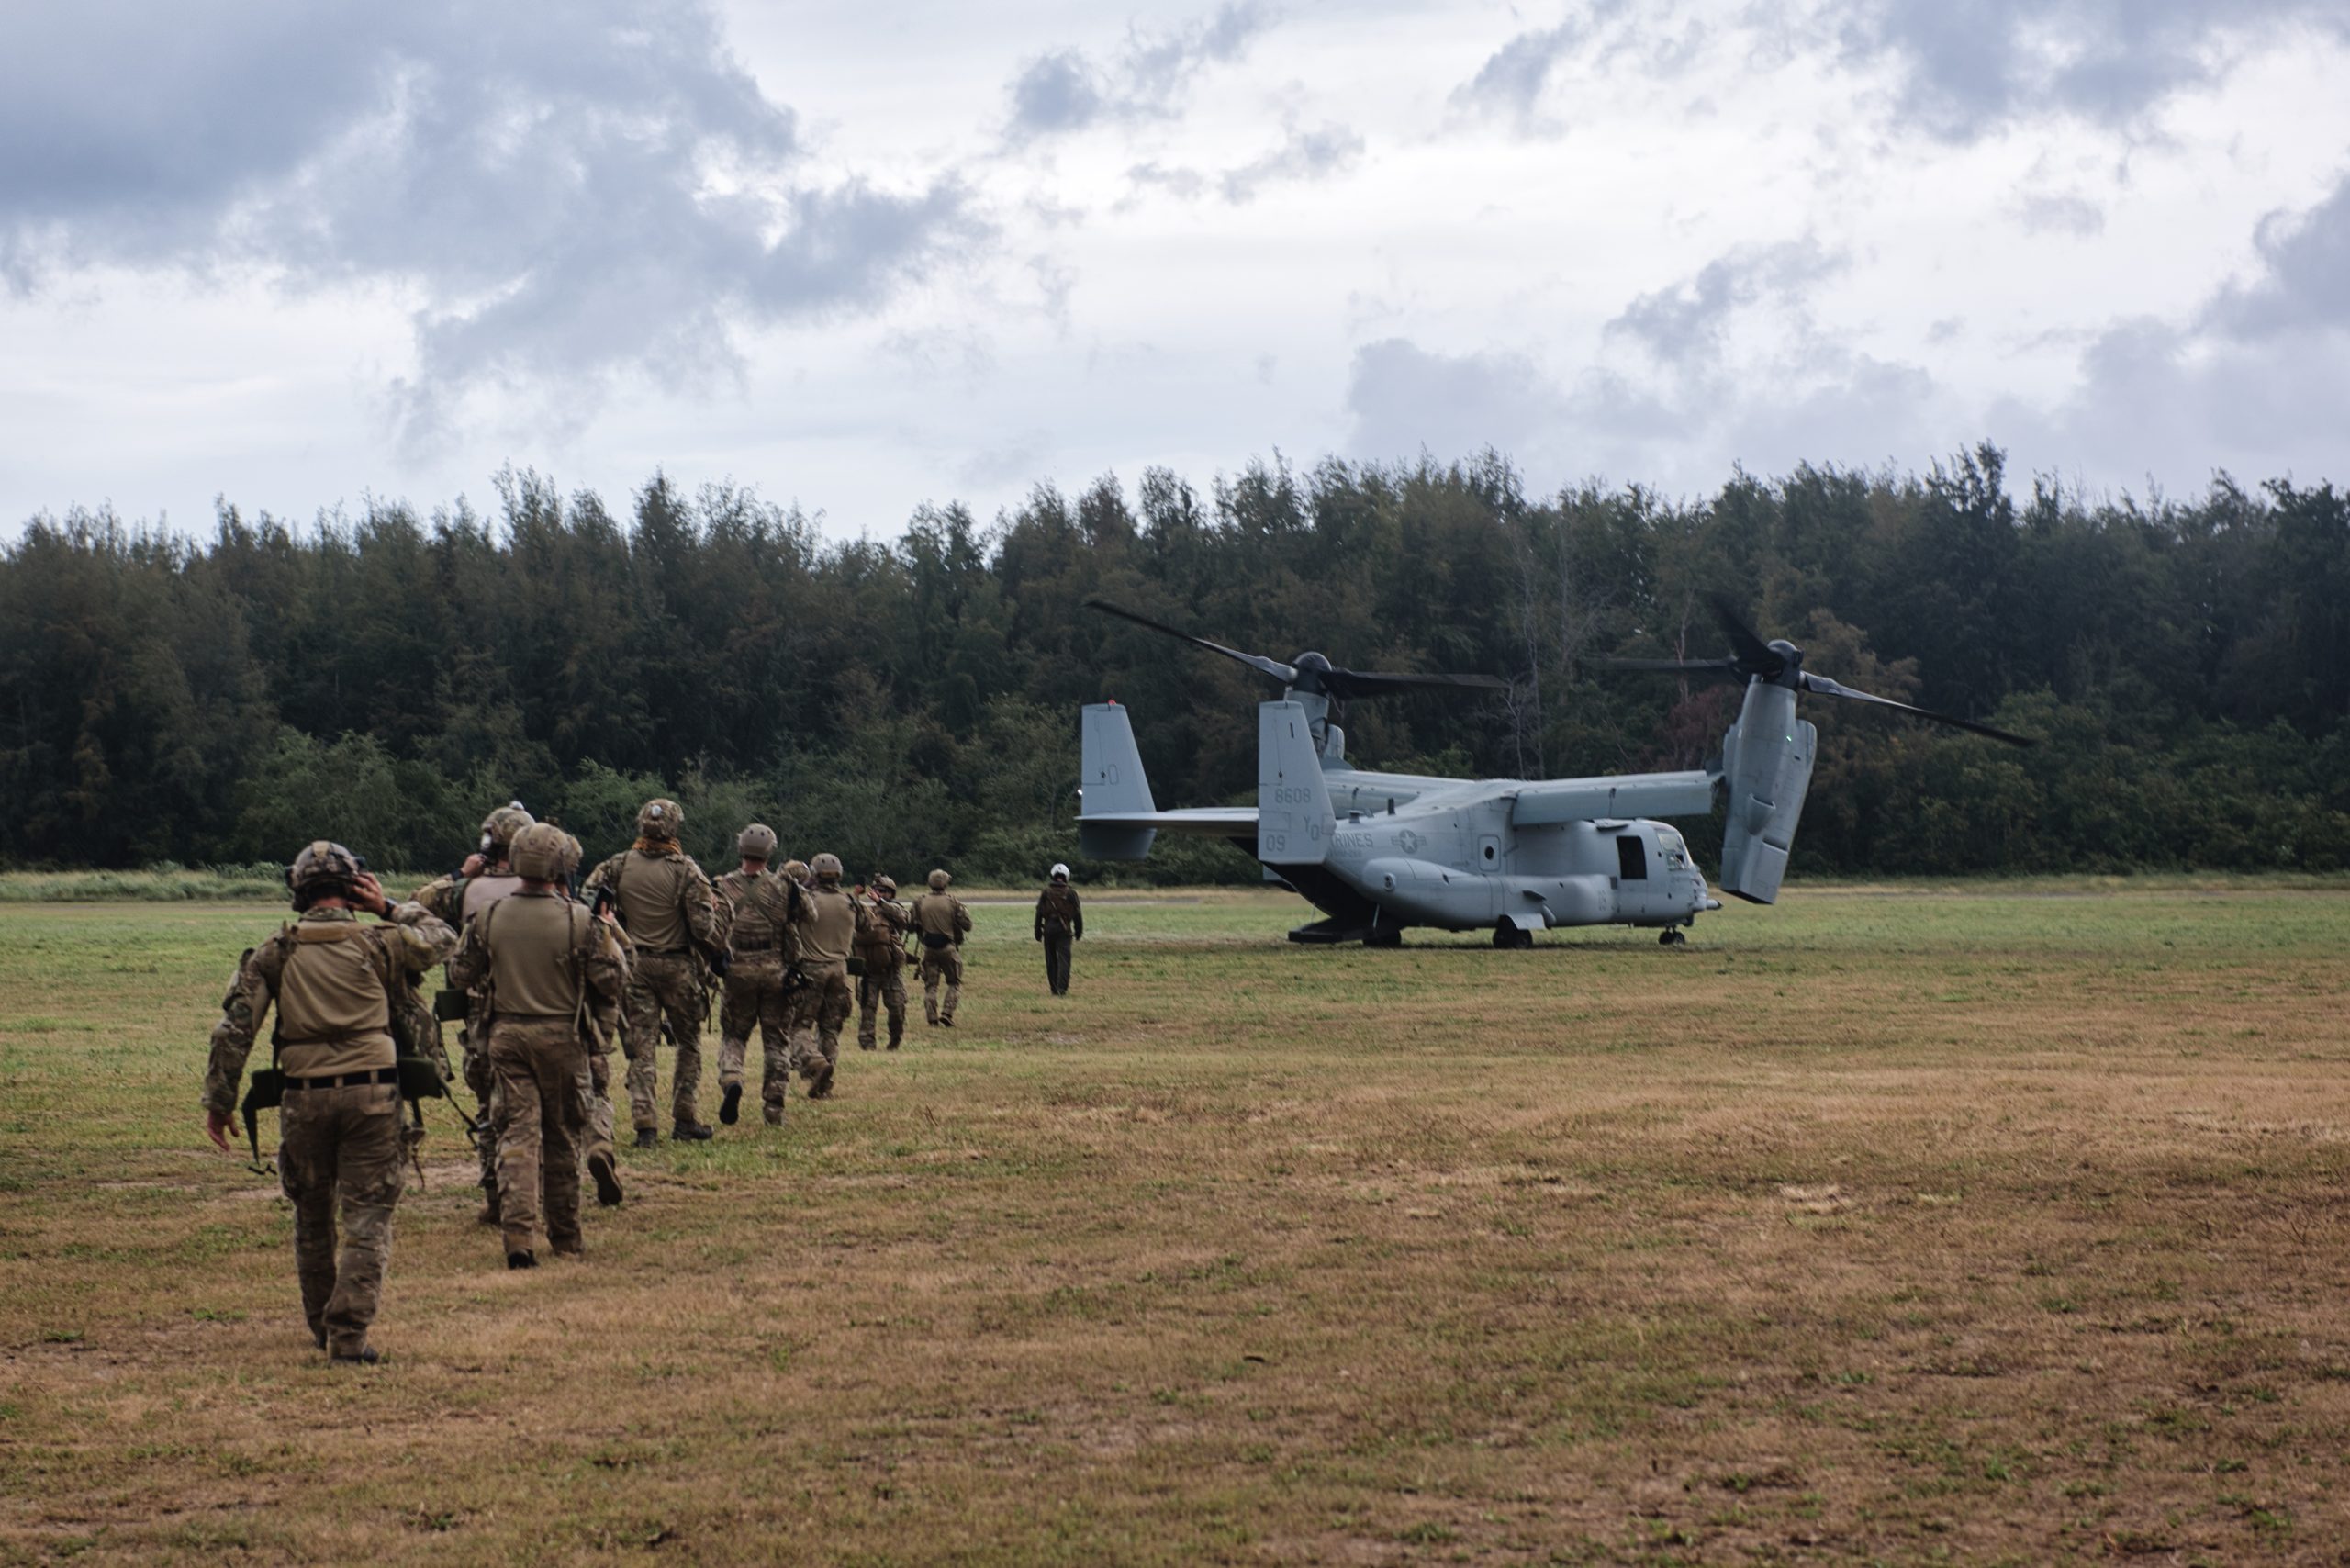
x=822, y=1004
x=484, y=878
x=762, y=948
x=553, y=976
x=1060, y=920
x=339, y=1144
x=677, y=927
x=882, y=955
x=942, y=922
x=595, y=1073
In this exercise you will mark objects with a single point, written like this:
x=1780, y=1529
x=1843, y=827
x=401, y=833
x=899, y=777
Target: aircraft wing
x=1622, y=795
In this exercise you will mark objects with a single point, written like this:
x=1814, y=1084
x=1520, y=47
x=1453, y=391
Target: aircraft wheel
x=1523, y=939
x=1511, y=936
x=1385, y=937
x=1672, y=937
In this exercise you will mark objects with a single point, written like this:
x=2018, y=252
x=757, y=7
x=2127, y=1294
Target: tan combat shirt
x=323, y=975
x=829, y=935
x=536, y=950
x=662, y=900
x=941, y=915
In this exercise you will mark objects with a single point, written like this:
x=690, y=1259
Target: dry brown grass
x=1976, y=1225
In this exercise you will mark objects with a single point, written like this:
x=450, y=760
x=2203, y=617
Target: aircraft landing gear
x=1671, y=937
x=1514, y=937
x=1383, y=937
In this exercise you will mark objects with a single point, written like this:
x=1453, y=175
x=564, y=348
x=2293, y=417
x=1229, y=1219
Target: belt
x=755, y=946
x=665, y=952
x=346, y=1080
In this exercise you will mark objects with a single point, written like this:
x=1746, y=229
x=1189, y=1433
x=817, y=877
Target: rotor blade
x=1371, y=683
x=1826, y=688
x=1671, y=666
x=1754, y=654
x=1285, y=674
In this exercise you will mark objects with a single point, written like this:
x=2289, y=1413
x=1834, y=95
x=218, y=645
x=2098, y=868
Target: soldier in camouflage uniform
x=595, y=1073
x=824, y=1001
x=484, y=878
x=553, y=976
x=762, y=949
x=942, y=922
x=339, y=1144
x=881, y=953
x=677, y=927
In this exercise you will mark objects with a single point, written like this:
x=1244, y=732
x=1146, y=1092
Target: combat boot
x=648, y=1137
x=690, y=1132
x=821, y=1088
x=730, y=1106
x=775, y=1115
x=608, y=1180
x=525, y=1259
x=365, y=1356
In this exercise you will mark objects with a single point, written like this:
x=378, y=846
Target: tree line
x=386, y=677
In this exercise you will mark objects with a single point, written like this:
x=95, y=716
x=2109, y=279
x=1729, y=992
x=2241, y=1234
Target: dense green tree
x=389, y=676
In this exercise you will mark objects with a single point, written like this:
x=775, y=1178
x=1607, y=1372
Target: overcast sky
x=858, y=258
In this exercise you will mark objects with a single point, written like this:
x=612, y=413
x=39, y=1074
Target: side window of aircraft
x=1631, y=858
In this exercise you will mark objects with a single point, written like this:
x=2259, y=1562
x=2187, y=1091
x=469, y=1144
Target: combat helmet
x=756, y=842
x=323, y=870
x=660, y=819
x=826, y=866
x=938, y=880
x=499, y=828
x=796, y=870
x=885, y=885
x=572, y=854
x=538, y=851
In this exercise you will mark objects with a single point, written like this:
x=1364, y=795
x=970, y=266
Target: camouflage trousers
x=819, y=1009
x=756, y=999
x=538, y=1062
x=472, y=1053
x=339, y=1156
x=663, y=985
x=883, y=984
x=941, y=966
x=596, y=1104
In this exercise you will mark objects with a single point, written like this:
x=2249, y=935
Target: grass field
x=1997, y=1223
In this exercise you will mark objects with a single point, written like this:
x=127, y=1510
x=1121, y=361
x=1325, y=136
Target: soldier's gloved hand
x=216, y=1127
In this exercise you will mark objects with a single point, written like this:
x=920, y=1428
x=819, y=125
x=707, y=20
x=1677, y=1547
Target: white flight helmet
x=1059, y=872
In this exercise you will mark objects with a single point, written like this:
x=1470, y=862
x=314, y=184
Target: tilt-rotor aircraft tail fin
x=1293, y=817
x=1117, y=819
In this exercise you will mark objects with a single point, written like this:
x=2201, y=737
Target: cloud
x=2061, y=213
x=1684, y=325
x=2256, y=379
x=564, y=195
x=1510, y=84
x=1966, y=69
x=1306, y=155
x=2307, y=283
x=1064, y=90
x=1402, y=398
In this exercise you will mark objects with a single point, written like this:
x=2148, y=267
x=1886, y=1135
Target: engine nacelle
x=1766, y=763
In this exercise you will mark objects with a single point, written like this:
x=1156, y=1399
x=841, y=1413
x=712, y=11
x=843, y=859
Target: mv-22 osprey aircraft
x=1379, y=852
